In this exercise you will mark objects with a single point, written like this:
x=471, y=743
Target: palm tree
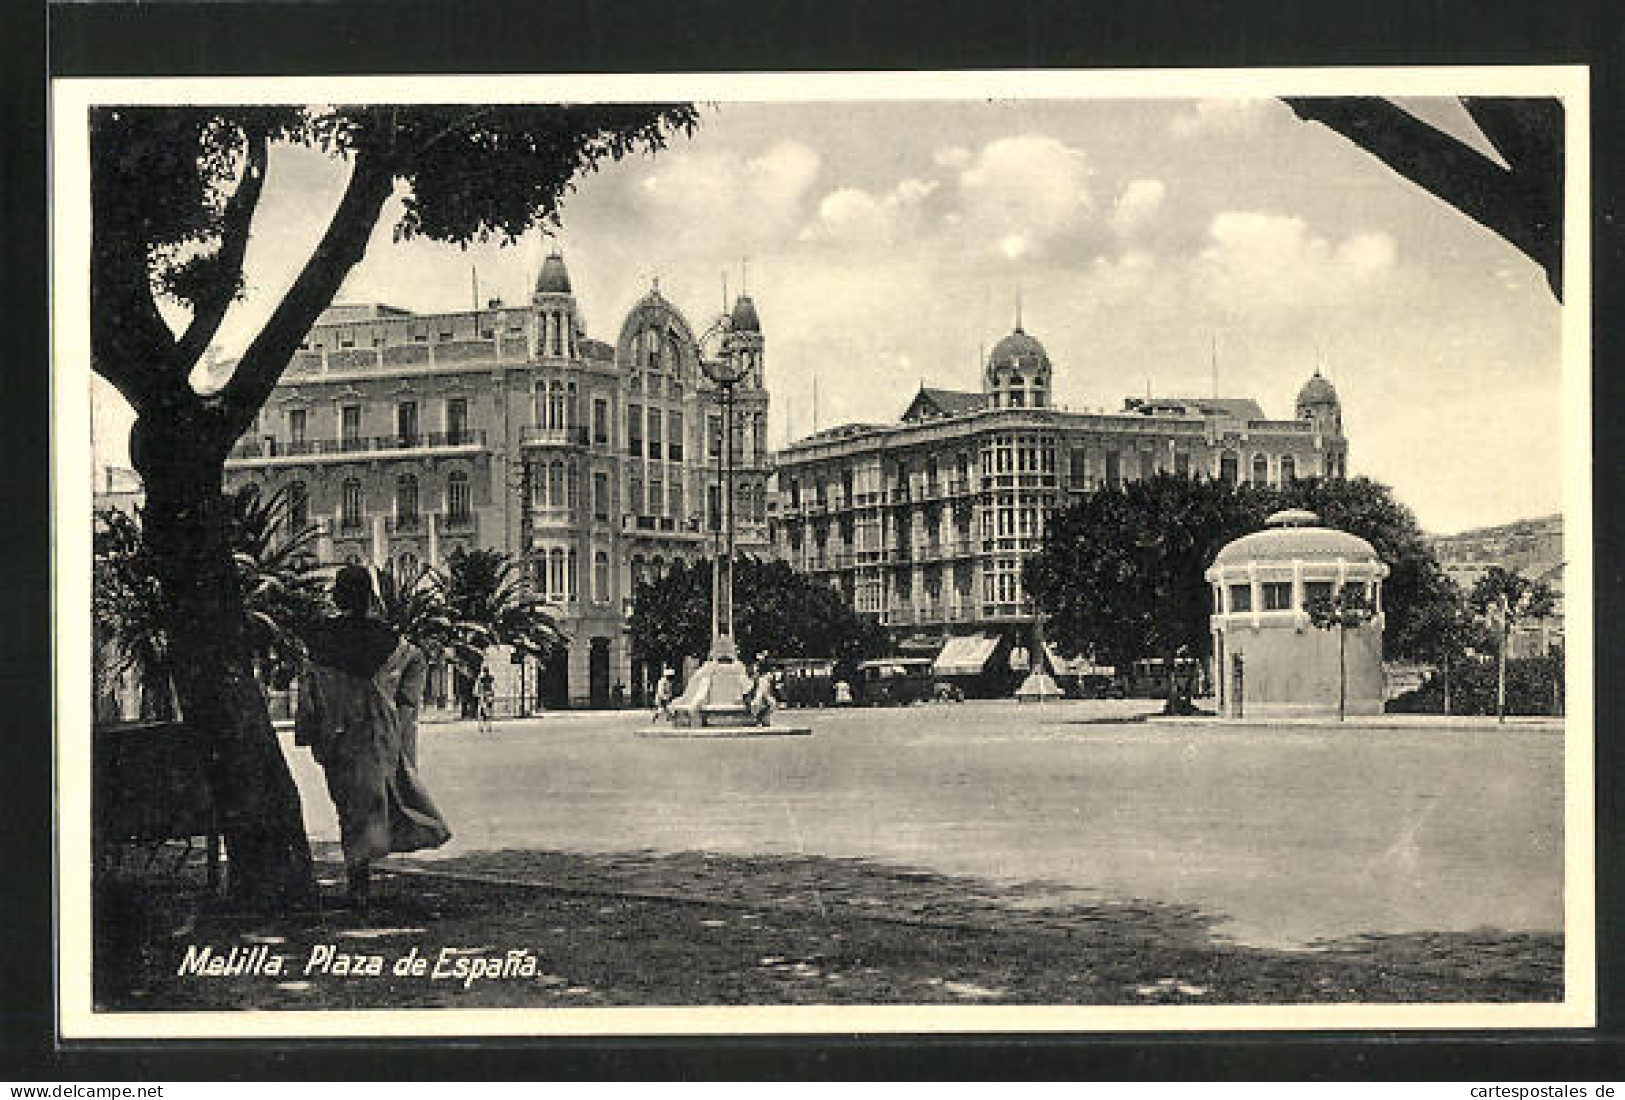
x=492, y=603
x=282, y=588
x=126, y=609
x=413, y=602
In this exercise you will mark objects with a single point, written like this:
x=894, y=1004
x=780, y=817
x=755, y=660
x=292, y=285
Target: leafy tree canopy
x=776, y=610
x=1120, y=575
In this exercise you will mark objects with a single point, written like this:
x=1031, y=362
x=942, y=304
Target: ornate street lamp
x=715, y=696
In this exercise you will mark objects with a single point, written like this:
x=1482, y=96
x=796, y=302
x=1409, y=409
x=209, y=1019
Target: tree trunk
x=1447, y=686
x=1171, y=704
x=1501, y=677
x=1342, y=673
x=254, y=793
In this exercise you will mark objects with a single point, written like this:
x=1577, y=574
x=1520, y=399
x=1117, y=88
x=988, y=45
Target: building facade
x=405, y=437
x=926, y=523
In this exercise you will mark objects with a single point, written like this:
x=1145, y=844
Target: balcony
x=553, y=437
x=457, y=523
x=329, y=449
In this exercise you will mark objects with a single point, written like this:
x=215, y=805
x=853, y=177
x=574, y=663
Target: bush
x=1534, y=687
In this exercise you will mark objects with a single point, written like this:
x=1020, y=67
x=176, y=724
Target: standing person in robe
x=358, y=708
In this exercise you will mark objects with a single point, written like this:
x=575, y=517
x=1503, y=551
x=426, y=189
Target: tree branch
x=342, y=246
x=130, y=344
x=1449, y=169
x=238, y=216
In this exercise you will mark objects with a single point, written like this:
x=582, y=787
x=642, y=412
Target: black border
x=415, y=36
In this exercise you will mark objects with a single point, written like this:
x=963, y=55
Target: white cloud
x=854, y=216
x=698, y=197
x=1137, y=204
x=1021, y=194
x=952, y=156
x=1267, y=260
x=1232, y=117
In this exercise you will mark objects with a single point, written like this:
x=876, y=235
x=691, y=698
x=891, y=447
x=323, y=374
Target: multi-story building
x=926, y=523
x=405, y=437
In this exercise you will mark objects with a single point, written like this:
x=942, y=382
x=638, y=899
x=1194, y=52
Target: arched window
x=571, y=574
x=350, y=504
x=406, y=499
x=600, y=577
x=555, y=404
x=459, y=505
x=406, y=568
x=1289, y=470
x=1261, y=470
x=1228, y=472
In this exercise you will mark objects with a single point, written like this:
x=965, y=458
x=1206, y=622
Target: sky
x=1147, y=244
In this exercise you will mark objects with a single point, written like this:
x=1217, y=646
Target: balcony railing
x=250, y=449
x=553, y=437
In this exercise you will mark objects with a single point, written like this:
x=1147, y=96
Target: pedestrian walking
x=358, y=710
x=485, y=700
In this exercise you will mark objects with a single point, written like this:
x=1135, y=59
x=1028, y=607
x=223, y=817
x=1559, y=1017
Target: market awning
x=1074, y=666
x=965, y=655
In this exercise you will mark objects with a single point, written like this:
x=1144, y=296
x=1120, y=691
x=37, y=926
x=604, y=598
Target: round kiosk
x=1270, y=660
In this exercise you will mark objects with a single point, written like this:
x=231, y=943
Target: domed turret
x=557, y=327
x=744, y=338
x=1318, y=402
x=1018, y=373
x=744, y=317
x=554, y=277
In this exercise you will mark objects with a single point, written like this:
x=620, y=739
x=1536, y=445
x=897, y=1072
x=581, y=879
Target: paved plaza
x=1281, y=836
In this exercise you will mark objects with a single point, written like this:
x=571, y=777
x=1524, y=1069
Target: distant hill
x=1533, y=547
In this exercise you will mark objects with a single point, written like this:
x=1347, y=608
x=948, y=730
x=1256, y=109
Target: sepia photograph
x=787, y=553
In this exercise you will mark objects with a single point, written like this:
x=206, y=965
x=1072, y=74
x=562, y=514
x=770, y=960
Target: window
x=570, y=575
x=600, y=495
x=713, y=435
x=298, y=507
x=674, y=497
x=572, y=411
x=572, y=494
x=1261, y=470
x=296, y=426
x=1241, y=597
x=634, y=489
x=1114, y=470
x=657, y=492
x=456, y=419
x=555, y=404
x=1078, y=469
x=634, y=430
x=1182, y=464
x=350, y=505
x=600, y=420
x=1148, y=465
x=713, y=507
x=406, y=500
x=1277, y=595
x=458, y=504
x=674, y=437
x=600, y=576
x=654, y=433
x=1228, y=472
x=406, y=422
x=555, y=483
x=1289, y=470
x=1315, y=591
x=555, y=573
x=350, y=426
